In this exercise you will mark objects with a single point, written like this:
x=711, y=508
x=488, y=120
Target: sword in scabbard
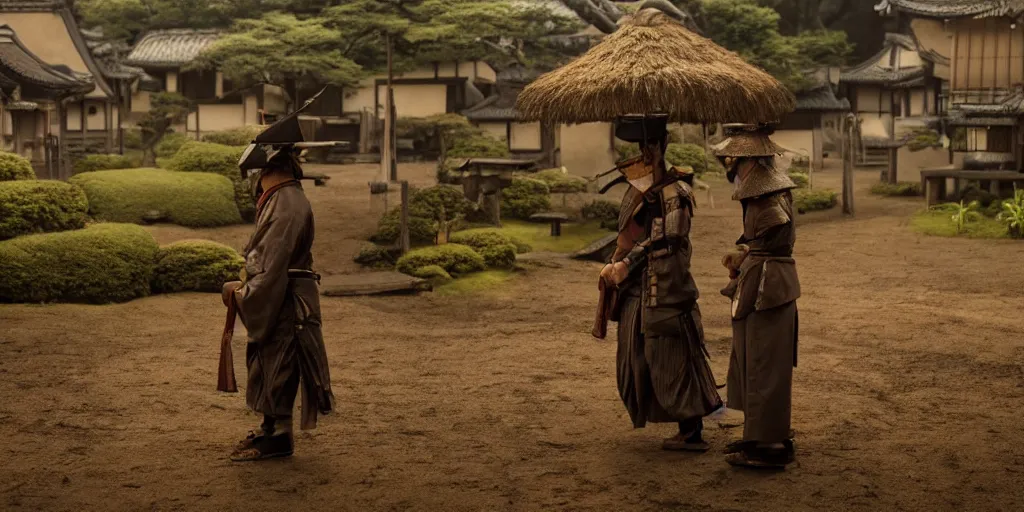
x=226, y=370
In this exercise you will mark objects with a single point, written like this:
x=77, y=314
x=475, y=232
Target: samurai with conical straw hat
x=763, y=288
x=662, y=368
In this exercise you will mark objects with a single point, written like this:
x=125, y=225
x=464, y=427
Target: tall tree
x=165, y=111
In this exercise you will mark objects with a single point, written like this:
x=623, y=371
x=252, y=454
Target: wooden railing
x=977, y=96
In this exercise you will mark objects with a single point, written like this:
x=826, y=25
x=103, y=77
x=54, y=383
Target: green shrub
x=100, y=264
x=814, y=200
x=234, y=137
x=626, y=150
x=186, y=199
x=477, y=145
x=15, y=167
x=432, y=273
x=195, y=265
x=525, y=197
x=498, y=249
x=421, y=229
x=170, y=144
x=984, y=198
x=499, y=256
x=923, y=138
x=478, y=239
x=132, y=138
x=1012, y=214
x=219, y=159
x=91, y=163
x=43, y=206
x=901, y=189
x=375, y=256
x=207, y=157
x=691, y=155
x=561, y=182
x=425, y=212
x=604, y=211
x=453, y=258
x=801, y=179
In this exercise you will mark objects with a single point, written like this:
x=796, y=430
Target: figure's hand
x=733, y=259
x=619, y=272
x=228, y=290
x=606, y=273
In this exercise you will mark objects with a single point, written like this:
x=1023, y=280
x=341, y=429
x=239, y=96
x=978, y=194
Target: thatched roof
x=653, y=64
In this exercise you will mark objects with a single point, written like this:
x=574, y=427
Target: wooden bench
x=556, y=219
x=933, y=182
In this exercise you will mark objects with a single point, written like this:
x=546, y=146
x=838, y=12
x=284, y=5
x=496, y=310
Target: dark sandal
x=761, y=458
x=691, y=442
x=738, y=446
x=262, y=447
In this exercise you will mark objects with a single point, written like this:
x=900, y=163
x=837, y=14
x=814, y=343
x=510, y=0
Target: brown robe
x=662, y=369
x=764, y=321
x=280, y=308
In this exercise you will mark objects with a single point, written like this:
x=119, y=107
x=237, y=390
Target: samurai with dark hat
x=662, y=368
x=278, y=297
x=764, y=288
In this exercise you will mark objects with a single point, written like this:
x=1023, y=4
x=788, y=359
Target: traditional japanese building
x=48, y=31
x=894, y=93
x=33, y=101
x=813, y=128
x=984, y=43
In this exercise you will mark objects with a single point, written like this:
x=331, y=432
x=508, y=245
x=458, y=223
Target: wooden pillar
x=62, y=115
x=16, y=132
x=497, y=206
x=817, y=146
x=83, y=115
x=893, y=162
x=405, y=218
x=3, y=127
x=108, y=121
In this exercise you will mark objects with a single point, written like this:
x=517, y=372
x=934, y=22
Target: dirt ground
x=907, y=397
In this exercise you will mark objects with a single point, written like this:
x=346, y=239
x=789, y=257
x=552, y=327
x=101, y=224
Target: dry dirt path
x=907, y=397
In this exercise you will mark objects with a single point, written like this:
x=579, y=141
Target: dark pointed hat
x=279, y=138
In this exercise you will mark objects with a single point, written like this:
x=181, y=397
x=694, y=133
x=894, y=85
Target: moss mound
x=901, y=189
x=455, y=259
x=44, y=206
x=100, y=264
x=14, y=167
x=91, y=163
x=186, y=199
x=170, y=144
x=432, y=273
x=218, y=159
x=195, y=265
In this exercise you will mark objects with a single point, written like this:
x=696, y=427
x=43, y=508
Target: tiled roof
x=31, y=6
x=953, y=8
x=870, y=72
x=170, y=48
x=822, y=99
x=20, y=65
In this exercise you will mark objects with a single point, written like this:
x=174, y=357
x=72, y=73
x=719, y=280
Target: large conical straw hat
x=653, y=64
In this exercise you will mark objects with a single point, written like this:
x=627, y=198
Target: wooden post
x=84, y=116
x=497, y=206
x=405, y=217
x=120, y=108
x=62, y=114
x=893, y=160
x=848, y=167
x=387, y=169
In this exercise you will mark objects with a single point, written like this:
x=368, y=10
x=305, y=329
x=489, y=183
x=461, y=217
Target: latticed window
x=995, y=139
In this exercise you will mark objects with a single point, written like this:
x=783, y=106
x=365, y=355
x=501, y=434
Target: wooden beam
x=954, y=83
x=108, y=121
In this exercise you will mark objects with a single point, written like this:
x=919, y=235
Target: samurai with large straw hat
x=662, y=369
x=764, y=288
x=278, y=297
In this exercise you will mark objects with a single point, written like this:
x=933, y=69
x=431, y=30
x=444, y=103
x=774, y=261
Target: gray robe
x=282, y=313
x=764, y=321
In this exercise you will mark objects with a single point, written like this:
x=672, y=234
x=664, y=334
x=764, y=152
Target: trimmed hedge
x=425, y=207
x=814, y=200
x=44, y=206
x=389, y=228
x=478, y=239
x=219, y=159
x=91, y=163
x=692, y=155
x=14, y=167
x=234, y=137
x=100, y=264
x=195, y=265
x=186, y=199
x=132, y=138
x=453, y=258
x=525, y=197
x=432, y=273
x=560, y=182
x=375, y=256
x=170, y=144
